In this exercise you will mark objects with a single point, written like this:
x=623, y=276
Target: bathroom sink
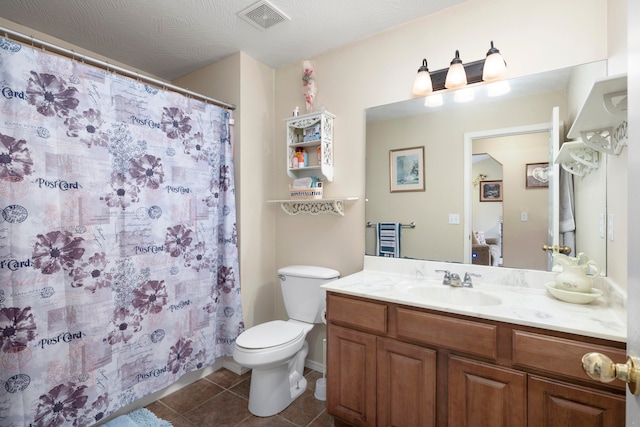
x=453, y=296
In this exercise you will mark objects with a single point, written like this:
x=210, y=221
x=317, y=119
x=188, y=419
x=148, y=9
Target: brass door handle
x=601, y=368
x=555, y=248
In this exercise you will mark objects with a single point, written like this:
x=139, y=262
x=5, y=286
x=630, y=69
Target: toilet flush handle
x=282, y=277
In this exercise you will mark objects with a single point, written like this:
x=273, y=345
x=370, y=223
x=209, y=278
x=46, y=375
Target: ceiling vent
x=263, y=15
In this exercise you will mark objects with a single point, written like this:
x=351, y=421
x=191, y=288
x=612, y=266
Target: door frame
x=469, y=137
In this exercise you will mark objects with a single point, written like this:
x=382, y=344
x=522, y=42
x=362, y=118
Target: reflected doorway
x=487, y=212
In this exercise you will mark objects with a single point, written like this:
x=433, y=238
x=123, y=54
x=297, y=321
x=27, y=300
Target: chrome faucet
x=451, y=279
x=466, y=282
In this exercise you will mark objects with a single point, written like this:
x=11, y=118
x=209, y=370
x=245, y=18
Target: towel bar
x=411, y=225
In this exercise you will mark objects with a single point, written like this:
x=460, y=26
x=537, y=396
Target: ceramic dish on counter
x=573, y=297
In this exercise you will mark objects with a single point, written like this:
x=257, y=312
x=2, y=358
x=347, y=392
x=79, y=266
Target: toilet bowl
x=276, y=350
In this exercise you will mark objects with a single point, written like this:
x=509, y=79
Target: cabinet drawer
x=558, y=355
x=365, y=315
x=456, y=334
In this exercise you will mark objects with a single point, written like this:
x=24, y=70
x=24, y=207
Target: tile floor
x=221, y=399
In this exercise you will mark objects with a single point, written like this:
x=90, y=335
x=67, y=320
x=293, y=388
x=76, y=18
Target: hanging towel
x=388, y=239
x=567, y=223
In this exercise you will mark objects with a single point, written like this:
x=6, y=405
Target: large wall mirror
x=494, y=192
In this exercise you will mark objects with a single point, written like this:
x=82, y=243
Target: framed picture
x=406, y=169
x=537, y=175
x=490, y=191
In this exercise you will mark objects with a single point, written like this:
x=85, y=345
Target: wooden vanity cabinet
x=401, y=366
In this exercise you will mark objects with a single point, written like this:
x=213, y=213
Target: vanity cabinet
x=313, y=133
x=480, y=391
x=395, y=365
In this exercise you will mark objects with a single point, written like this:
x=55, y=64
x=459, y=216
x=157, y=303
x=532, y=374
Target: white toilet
x=276, y=350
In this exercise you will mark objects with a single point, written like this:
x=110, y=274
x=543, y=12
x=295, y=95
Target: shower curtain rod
x=110, y=67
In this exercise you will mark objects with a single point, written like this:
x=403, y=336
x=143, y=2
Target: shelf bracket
x=606, y=140
x=577, y=158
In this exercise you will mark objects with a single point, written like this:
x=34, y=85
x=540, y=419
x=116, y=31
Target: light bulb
x=434, y=100
x=456, y=75
x=463, y=95
x=498, y=88
x=494, y=66
x=422, y=85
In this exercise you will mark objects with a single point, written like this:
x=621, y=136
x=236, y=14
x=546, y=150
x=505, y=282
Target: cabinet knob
x=601, y=368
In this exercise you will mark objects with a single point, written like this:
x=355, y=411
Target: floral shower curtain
x=118, y=244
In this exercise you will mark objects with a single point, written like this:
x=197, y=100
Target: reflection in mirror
x=487, y=212
x=438, y=211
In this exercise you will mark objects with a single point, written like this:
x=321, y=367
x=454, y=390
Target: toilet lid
x=270, y=334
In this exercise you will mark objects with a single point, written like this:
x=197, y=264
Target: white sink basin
x=453, y=295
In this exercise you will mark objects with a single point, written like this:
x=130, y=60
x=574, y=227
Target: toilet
x=276, y=350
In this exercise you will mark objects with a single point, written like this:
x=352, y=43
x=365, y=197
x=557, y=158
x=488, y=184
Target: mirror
x=438, y=211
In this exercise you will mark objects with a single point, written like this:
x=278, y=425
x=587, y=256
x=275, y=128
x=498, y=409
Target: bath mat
x=139, y=418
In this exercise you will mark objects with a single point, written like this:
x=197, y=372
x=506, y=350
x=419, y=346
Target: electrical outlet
x=524, y=216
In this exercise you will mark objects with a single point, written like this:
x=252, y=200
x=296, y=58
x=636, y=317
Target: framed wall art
x=537, y=175
x=406, y=169
x=490, y=191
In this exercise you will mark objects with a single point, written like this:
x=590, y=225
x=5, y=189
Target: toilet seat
x=270, y=334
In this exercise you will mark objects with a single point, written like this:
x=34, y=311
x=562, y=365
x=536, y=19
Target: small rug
x=139, y=418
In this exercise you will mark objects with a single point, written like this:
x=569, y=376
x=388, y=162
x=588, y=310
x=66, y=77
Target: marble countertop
x=524, y=302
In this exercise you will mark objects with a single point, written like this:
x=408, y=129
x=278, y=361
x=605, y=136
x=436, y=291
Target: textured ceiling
x=170, y=38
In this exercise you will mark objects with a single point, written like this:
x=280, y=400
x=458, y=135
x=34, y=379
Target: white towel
x=388, y=239
x=567, y=221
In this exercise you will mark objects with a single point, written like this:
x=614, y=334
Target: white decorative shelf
x=577, y=158
x=602, y=120
x=314, y=207
x=314, y=132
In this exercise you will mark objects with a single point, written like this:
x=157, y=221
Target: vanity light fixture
x=463, y=95
x=433, y=100
x=494, y=66
x=456, y=76
x=422, y=85
x=490, y=69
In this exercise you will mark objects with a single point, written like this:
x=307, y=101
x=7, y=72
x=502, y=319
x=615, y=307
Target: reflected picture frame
x=490, y=191
x=537, y=175
x=406, y=170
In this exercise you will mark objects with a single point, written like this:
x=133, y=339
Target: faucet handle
x=446, y=280
x=467, y=279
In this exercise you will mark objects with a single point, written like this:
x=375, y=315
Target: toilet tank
x=304, y=300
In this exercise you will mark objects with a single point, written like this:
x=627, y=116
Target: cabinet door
x=351, y=375
x=485, y=395
x=553, y=403
x=406, y=385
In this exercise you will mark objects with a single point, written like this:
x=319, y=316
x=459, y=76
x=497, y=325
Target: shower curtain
x=118, y=243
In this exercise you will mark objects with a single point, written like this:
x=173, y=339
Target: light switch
x=524, y=216
x=454, y=218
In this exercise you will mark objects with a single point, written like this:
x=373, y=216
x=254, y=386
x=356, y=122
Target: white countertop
x=524, y=299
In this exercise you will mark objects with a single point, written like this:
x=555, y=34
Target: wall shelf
x=314, y=133
x=577, y=158
x=602, y=120
x=314, y=207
